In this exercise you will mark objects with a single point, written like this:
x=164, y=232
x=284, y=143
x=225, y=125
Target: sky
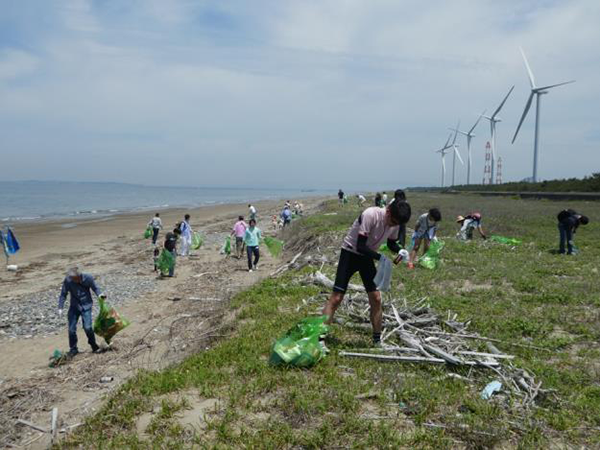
x=303, y=94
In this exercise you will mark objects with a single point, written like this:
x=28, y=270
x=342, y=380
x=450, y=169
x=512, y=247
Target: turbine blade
x=531, y=80
x=503, y=101
x=525, y=111
x=458, y=154
x=473, y=127
x=456, y=132
x=555, y=85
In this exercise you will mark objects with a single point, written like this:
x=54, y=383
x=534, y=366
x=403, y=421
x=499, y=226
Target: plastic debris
x=108, y=322
x=300, y=345
x=490, y=389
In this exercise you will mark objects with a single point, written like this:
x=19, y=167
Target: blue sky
x=298, y=93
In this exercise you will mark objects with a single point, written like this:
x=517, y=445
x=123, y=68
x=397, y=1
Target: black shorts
x=349, y=264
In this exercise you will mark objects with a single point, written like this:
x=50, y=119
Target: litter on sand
x=108, y=322
x=275, y=246
x=300, y=345
x=490, y=389
x=504, y=240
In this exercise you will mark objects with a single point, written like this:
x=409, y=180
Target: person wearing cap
x=79, y=285
x=372, y=228
x=568, y=222
x=467, y=224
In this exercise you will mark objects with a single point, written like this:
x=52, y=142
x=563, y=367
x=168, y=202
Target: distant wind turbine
x=455, y=147
x=538, y=92
x=443, y=152
x=494, y=119
x=469, y=134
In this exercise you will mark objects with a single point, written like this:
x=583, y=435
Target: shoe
x=410, y=265
x=73, y=352
x=249, y=270
x=255, y=266
x=96, y=349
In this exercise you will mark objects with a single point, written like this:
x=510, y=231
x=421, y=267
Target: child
x=156, y=254
x=275, y=222
x=568, y=222
x=425, y=229
x=468, y=224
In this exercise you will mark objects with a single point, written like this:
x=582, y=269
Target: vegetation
x=527, y=295
x=585, y=184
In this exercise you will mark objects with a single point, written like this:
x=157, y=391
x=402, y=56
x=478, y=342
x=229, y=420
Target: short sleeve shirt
x=370, y=223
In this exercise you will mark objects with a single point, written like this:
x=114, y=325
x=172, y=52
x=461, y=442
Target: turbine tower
x=538, y=92
x=494, y=119
x=443, y=153
x=455, y=153
x=469, y=134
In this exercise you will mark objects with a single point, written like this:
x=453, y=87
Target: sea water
x=38, y=200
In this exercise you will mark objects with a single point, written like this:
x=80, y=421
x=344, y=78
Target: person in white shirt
x=361, y=199
x=186, y=236
x=156, y=225
x=252, y=211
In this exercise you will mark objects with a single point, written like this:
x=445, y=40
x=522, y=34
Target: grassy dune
x=525, y=295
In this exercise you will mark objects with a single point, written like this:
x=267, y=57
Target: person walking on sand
x=568, y=222
x=186, y=235
x=341, y=197
x=252, y=211
x=286, y=216
x=239, y=230
x=171, y=246
x=156, y=224
x=425, y=230
x=79, y=285
x=359, y=250
x=252, y=238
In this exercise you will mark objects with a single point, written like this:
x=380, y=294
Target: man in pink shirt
x=239, y=229
x=372, y=228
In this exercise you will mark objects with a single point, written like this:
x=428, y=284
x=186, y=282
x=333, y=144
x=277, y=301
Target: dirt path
x=173, y=318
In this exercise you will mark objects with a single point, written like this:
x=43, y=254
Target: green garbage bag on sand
x=505, y=240
x=431, y=259
x=275, y=246
x=148, y=233
x=197, y=241
x=300, y=345
x=226, y=249
x=165, y=262
x=108, y=322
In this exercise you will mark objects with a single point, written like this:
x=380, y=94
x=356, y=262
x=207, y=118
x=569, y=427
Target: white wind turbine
x=494, y=119
x=469, y=134
x=538, y=92
x=455, y=147
x=443, y=152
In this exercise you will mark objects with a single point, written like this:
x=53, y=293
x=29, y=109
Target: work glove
x=60, y=312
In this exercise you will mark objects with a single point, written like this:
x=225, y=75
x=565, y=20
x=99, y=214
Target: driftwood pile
x=417, y=334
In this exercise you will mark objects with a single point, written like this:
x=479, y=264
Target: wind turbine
x=455, y=147
x=538, y=92
x=494, y=119
x=469, y=134
x=443, y=152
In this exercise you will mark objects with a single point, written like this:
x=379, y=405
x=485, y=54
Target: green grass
x=524, y=295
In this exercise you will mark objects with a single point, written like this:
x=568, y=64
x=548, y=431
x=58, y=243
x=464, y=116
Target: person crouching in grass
x=359, y=250
x=425, y=230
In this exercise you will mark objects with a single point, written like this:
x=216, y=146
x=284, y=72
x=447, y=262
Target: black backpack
x=565, y=214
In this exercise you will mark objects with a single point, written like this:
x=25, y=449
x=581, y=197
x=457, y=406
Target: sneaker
x=73, y=352
x=96, y=349
x=255, y=266
x=249, y=270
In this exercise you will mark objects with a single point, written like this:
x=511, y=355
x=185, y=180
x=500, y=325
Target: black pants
x=252, y=250
x=349, y=264
x=566, y=234
x=155, y=235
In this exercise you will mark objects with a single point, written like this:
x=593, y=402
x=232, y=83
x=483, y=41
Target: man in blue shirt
x=79, y=286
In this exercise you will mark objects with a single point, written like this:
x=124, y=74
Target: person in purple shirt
x=239, y=230
x=79, y=285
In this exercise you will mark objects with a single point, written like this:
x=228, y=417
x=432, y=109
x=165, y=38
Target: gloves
x=402, y=256
x=60, y=312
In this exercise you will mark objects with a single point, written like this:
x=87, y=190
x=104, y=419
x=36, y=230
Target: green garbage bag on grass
x=108, y=322
x=226, y=249
x=165, y=262
x=504, y=240
x=300, y=345
x=148, y=233
x=275, y=246
x=431, y=259
x=197, y=241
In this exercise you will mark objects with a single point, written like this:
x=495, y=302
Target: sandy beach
x=170, y=317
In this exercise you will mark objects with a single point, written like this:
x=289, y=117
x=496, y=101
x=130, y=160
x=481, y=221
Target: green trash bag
x=165, y=262
x=300, y=345
x=148, y=233
x=275, y=246
x=109, y=322
x=505, y=240
x=226, y=249
x=431, y=259
x=197, y=241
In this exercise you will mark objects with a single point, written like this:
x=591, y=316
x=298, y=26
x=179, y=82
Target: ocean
x=40, y=200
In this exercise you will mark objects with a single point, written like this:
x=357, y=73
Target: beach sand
x=167, y=315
